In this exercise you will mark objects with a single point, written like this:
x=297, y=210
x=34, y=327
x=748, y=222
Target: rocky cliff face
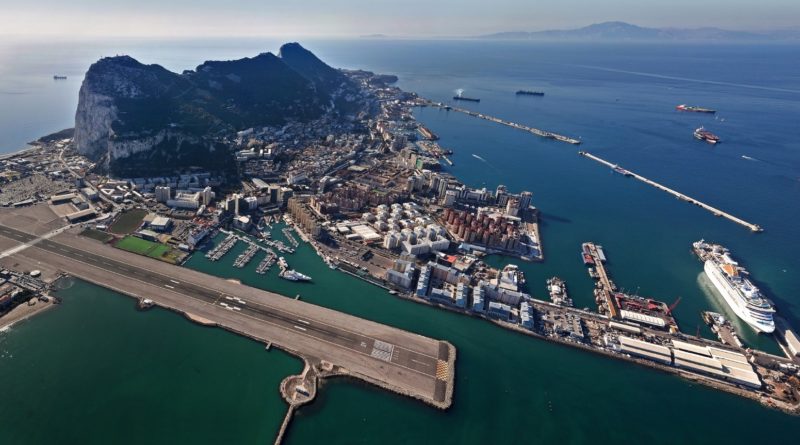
x=93, y=121
x=131, y=114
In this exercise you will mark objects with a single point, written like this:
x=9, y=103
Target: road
x=397, y=358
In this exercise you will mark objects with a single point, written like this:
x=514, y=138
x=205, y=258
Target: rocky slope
x=143, y=119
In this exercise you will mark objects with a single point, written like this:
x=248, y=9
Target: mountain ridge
x=131, y=114
x=623, y=31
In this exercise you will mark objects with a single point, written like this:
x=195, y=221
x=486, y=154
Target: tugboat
x=684, y=107
x=704, y=135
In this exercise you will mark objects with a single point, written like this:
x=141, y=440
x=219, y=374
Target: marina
x=223, y=248
x=287, y=232
x=266, y=263
x=715, y=211
x=246, y=257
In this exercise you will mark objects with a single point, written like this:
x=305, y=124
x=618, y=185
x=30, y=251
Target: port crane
x=673, y=305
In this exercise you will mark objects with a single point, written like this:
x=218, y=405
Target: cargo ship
x=529, y=93
x=732, y=282
x=460, y=96
x=57, y=77
x=705, y=135
x=468, y=99
x=684, y=107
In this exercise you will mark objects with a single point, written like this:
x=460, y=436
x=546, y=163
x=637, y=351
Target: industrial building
x=650, y=351
x=161, y=224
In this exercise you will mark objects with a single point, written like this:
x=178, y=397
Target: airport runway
x=422, y=364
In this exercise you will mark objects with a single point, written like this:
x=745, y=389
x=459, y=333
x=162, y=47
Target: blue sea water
x=619, y=99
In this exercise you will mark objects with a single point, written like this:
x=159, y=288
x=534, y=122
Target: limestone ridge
x=140, y=119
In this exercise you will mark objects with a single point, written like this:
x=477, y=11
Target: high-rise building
x=163, y=193
x=207, y=196
x=525, y=200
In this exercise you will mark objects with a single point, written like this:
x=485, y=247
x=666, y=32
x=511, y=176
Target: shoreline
x=793, y=410
x=201, y=321
x=24, y=312
x=19, y=152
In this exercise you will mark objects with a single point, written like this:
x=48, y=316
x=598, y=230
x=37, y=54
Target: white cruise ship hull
x=732, y=298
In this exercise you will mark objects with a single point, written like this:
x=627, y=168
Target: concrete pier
x=679, y=195
x=391, y=358
x=606, y=287
x=535, y=131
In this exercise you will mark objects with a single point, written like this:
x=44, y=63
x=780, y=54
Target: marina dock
x=715, y=211
x=535, y=131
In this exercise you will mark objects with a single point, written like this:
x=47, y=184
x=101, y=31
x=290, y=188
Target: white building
x=163, y=193
x=185, y=200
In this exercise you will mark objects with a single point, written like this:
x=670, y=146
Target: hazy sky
x=358, y=17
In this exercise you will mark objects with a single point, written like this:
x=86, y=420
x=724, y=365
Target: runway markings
x=442, y=370
x=304, y=321
x=423, y=363
x=171, y=287
x=382, y=350
x=176, y=282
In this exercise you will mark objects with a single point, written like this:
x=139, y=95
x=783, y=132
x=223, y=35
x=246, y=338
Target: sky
x=347, y=18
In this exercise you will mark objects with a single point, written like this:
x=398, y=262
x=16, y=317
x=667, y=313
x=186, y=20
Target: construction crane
x=673, y=306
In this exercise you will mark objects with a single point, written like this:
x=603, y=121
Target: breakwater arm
x=677, y=194
x=535, y=131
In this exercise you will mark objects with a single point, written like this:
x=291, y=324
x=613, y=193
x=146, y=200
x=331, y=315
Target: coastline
x=19, y=152
x=24, y=312
x=793, y=410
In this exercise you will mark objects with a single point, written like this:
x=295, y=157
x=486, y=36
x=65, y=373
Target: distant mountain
x=621, y=31
x=138, y=118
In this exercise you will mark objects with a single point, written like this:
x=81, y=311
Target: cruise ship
x=731, y=281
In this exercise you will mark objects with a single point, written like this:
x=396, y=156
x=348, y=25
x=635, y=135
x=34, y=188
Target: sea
x=95, y=370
